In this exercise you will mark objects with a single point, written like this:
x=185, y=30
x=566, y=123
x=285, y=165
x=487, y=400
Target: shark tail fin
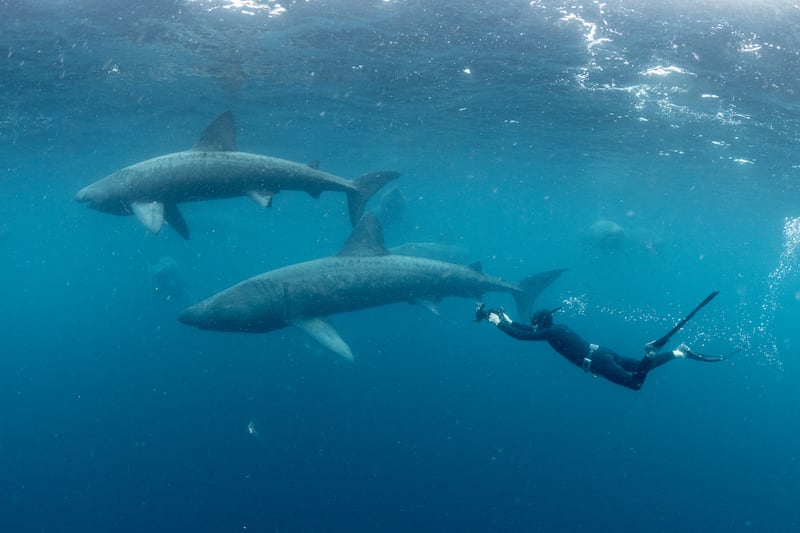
x=530, y=288
x=364, y=187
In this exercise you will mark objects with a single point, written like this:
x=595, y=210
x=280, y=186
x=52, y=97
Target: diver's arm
x=521, y=331
x=513, y=329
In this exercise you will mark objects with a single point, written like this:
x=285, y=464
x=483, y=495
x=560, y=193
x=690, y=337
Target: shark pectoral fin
x=322, y=331
x=175, y=219
x=151, y=214
x=430, y=305
x=262, y=198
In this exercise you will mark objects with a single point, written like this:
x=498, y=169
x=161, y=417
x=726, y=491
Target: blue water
x=516, y=126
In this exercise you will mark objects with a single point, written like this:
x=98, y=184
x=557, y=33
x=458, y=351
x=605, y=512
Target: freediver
x=599, y=360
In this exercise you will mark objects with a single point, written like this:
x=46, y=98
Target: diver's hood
x=543, y=317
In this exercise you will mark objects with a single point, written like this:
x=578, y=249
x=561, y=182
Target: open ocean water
x=516, y=125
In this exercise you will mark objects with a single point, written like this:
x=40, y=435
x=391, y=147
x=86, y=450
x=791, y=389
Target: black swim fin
x=656, y=345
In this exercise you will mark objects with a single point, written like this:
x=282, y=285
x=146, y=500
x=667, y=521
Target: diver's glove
x=495, y=316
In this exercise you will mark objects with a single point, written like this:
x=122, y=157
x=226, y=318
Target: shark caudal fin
x=531, y=288
x=364, y=187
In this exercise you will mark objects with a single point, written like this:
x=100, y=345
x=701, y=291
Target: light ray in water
x=775, y=284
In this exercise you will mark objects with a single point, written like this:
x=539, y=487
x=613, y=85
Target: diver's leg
x=607, y=364
x=684, y=351
x=681, y=352
x=628, y=363
x=658, y=359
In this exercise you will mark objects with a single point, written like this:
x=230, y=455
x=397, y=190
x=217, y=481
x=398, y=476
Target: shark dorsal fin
x=219, y=136
x=365, y=239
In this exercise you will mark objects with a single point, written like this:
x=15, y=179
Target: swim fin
x=653, y=347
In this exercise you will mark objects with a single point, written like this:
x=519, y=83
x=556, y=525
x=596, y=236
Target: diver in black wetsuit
x=598, y=360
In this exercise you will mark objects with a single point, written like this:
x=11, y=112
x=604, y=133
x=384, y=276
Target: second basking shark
x=213, y=169
x=363, y=274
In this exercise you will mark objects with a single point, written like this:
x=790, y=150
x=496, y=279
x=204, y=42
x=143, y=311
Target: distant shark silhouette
x=606, y=234
x=362, y=275
x=609, y=236
x=168, y=281
x=213, y=169
x=392, y=207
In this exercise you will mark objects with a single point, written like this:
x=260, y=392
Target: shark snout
x=82, y=195
x=89, y=196
x=99, y=199
x=192, y=316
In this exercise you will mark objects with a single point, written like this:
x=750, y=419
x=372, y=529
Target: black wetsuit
x=592, y=358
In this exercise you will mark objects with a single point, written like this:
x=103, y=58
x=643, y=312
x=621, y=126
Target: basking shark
x=606, y=234
x=168, y=281
x=392, y=207
x=151, y=190
x=363, y=274
x=611, y=237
